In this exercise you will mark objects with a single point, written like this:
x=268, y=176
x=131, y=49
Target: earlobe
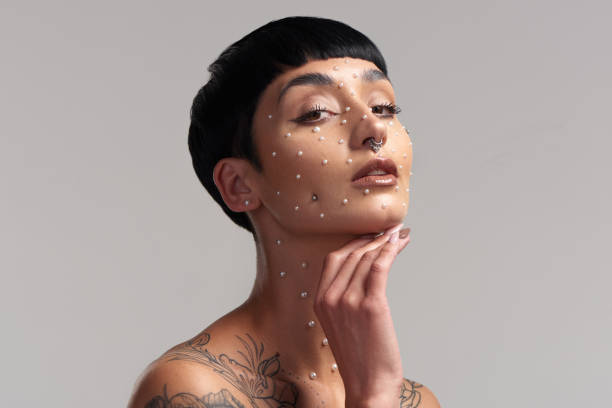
x=228, y=176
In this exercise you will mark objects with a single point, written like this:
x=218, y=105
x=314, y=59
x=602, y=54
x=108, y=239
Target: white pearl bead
x=410, y=143
x=321, y=138
x=400, y=166
x=304, y=264
x=340, y=141
x=269, y=116
x=278, y=242
x=341, y=84
x=334, y=367
x=355, y=75
x=384, y=205
x=304, y=294
x=396, y=188
x=297, y=207
x=408, y=189
x=282, y=274
x=349, y=161
x=297, y=176
x=345, y=201
x=324, y=161
x=311, y=323
x=312, y=375
x=273, y=154
x=278, y=193
x=404, y=204
x=336, y=67
x=364, y=116
x=411, y=173
x=348, y=108
x=288, y=134
x=321, y=215
x=366, y=191
x=325, y=341
x=391, y=123
x=300, y=153
x=343, y=122
x=316, y=129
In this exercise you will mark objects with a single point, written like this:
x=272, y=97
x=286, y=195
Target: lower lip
x=372, y=181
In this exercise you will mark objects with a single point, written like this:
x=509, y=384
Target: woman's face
x=310, y=159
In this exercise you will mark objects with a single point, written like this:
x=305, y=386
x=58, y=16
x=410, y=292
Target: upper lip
x=379, y=163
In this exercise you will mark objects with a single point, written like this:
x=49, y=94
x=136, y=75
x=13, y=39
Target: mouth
x=376, y=172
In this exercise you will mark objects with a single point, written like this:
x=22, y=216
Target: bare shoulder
x=182, y=377
x=415, y=395
x=228, y=372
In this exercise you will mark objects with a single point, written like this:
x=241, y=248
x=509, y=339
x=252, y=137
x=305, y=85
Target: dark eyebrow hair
x=319, y=79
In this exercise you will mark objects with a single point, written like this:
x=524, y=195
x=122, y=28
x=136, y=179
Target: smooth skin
x=345, y=274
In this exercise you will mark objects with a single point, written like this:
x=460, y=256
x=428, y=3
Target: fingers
x=376, y=279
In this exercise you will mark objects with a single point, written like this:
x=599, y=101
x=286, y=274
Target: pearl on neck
x=334, y=367
x=304, y=295
x=325, y=342
x=311, y=323
x=282, y=274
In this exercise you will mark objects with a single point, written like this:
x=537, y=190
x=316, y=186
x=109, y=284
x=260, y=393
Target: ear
x=229, y=177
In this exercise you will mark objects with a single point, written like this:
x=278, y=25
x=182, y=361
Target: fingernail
x=394, y=229
x=394, y=237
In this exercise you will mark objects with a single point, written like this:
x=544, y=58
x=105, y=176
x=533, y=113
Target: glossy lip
x=373, y=181
x=379, y=163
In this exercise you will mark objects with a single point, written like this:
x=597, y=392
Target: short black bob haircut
x=222, y=110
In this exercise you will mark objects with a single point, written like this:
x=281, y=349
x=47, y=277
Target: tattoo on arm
x=410, y=396
x=252, y=376
x=221, y=399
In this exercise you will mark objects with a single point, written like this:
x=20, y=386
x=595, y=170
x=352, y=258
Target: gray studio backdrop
x=111, y=251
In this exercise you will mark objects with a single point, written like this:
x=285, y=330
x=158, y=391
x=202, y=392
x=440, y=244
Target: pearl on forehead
x=341, y=84
x=324, y=162
x=312, y=375
x=355, y=75
x=300, y=153
x=341, y=141
x=287, y=134
x=364, y=116
x=282, y=274
x=366, y=191
x=298, y=176
x=348, y=108
x=343, y=122
x=304, y=294
x=316, y=129
x=311, y=323
x=349, y=160
x=325, y=341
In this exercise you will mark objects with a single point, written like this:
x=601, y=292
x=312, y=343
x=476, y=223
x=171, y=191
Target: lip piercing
x=316, y=129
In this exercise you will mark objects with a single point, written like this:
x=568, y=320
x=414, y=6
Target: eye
x=313, y=114
x=394, y=109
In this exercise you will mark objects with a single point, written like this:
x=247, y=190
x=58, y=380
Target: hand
x=351, y=305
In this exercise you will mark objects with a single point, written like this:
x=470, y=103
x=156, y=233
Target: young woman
x=295, y=135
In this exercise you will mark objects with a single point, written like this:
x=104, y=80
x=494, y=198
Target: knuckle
x=379, y=267
x=350, y=301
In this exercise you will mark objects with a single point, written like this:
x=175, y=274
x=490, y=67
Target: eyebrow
x=319, y=79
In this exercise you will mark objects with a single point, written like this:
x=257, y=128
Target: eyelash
x=394, y=109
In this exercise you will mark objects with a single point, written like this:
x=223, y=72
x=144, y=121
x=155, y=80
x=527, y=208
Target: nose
x=369, y=126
